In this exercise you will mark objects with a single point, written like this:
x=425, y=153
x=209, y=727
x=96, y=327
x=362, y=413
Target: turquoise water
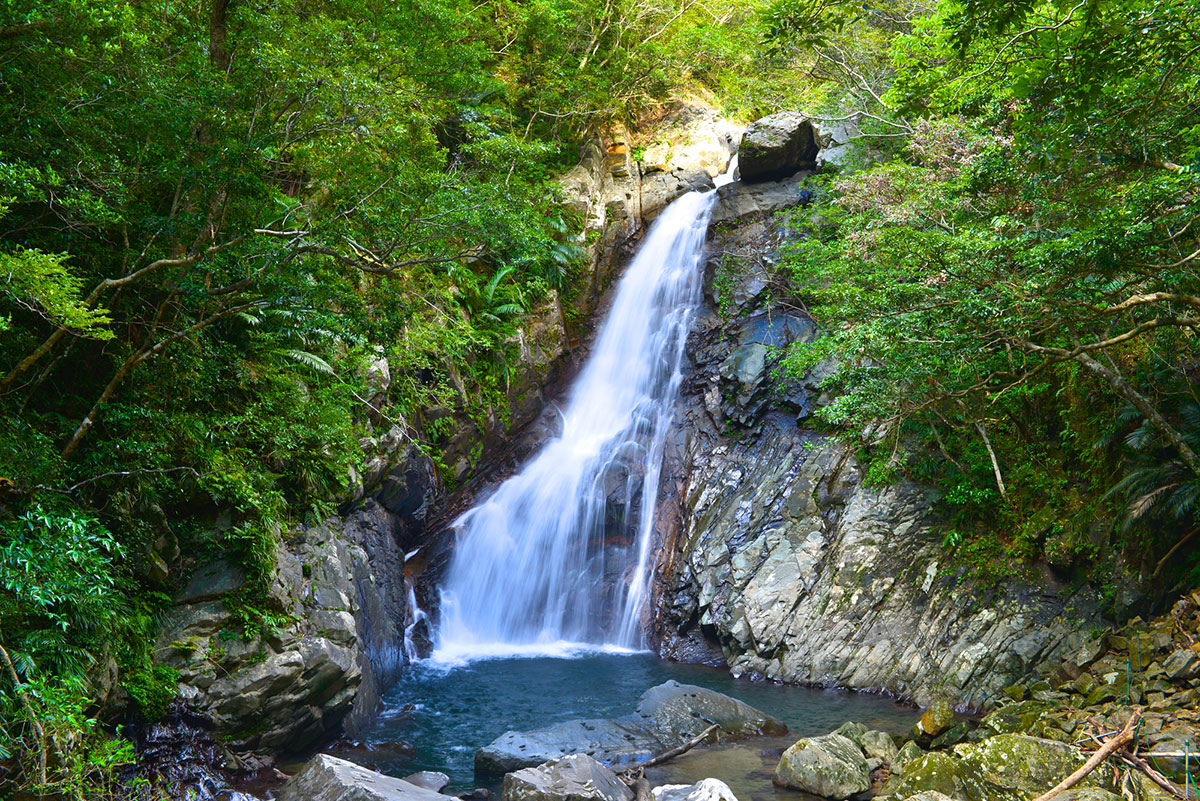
x=445, y=714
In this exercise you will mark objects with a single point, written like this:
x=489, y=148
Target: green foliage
x=61, y=609
x=1011, y=297
x=152, y=689
x=41, y=283
x=808, y=23
x=60, y=594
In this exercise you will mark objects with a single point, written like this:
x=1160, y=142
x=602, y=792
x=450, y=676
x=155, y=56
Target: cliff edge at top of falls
x=777, y=559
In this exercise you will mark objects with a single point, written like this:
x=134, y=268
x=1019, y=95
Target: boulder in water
x=572, y=778
x=703, y=790
x=831, y=766
x=666, y=716
x=326, y=778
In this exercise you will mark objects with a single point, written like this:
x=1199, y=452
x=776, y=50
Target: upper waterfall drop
x=559, y=555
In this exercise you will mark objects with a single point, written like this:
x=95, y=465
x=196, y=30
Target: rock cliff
x=777, y=559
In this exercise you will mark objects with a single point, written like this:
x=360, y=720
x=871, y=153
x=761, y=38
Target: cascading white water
x=559, y=555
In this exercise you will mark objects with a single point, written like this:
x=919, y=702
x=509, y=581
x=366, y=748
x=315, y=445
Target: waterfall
x=558, y=556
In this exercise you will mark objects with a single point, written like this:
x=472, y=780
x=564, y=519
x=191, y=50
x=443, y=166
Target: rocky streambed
x=1040, y=732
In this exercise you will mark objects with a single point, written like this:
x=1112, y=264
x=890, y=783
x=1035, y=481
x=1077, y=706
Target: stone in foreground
x=429, y=779
x=937, y=719
x=831, y=766
x=572, y=778
x=666, y=716
x=703, y=790
x=326, y=778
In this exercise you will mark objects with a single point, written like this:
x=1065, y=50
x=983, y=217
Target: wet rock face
x=666, y=716
x=775, y=552
x=340, y=588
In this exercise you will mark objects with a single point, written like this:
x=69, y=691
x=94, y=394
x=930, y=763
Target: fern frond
x=310, y=360
x=489, y=290
x=1139, y=506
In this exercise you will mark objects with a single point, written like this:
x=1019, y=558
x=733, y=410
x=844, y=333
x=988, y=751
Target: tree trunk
x=1143, y=405
x=218, y=30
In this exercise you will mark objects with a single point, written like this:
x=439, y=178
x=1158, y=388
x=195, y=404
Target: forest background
x=215, y=215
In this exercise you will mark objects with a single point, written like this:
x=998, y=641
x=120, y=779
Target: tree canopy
x=1012, y=295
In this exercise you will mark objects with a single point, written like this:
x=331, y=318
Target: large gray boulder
x=778, y=146
x=572, y=778
x=666, y=716
x=703, y=790
x=327, y=778
x=831, y=766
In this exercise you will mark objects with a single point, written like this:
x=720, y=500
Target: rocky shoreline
x=1040, y=731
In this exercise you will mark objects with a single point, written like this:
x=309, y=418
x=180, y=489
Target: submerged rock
x=703, y=790
x=831, y=766
x=666, y=716
x=572, y=778
x=327, y=778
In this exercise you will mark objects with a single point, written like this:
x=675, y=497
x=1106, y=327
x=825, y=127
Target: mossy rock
x=1017, y=692
x=1025, y=765
x=938, y=718
x=874, y=744
x=1088, y=794
x=951, y=737
x=909, y=752
x=1105, y=692
x=831, y=766
x=939, y=772
x=1014, y=718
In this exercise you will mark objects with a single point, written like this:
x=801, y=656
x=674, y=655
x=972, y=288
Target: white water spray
x=559, y=557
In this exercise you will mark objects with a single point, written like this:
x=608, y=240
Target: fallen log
x=635, y=775
x=678, y=750
x=1096, y=759
x=1145, y=767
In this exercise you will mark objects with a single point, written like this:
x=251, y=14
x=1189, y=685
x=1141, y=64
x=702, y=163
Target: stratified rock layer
x=778, y=561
